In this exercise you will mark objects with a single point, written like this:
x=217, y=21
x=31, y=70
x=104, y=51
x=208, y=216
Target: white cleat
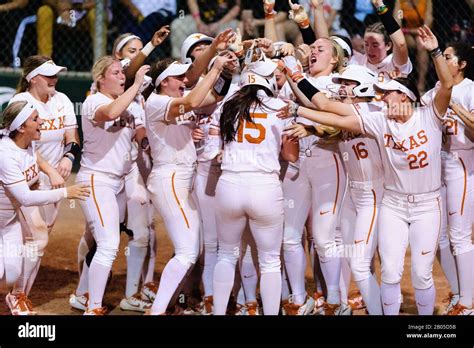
x=304, y=309
x=240, y=309
x=134, y=303
x=319, y=302
x=19, y=304
x=452, y=301
x=149, y=291
x=344, y=309
x=79, y=301
x=356, y=301
x=459, y=309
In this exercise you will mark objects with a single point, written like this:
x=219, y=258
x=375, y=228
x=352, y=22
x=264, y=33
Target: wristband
x=436, y=52
x=64, y=191
x=222, y=85
x=382, y=9
x=72, y=149
x=70, y=157
x=293, y=109
x=389, y=22
x=307, y=88
x=149, y=47
x=304, y=24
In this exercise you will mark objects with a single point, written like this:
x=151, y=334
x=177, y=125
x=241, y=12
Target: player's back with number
x=257, y=144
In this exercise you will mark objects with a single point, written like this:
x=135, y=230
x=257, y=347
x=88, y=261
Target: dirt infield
x=57, y=277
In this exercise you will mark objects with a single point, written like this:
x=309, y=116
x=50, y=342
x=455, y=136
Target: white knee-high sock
x=83, y=285
x=248, y=271
x=391, y=295
x=448, y=265
x=370, y=291
x=172, y=276
x=149, y=266
x=82, y=251
x=210, y=259
x=345, y=280
x=223, y=282
x=331, y=268
x=135, y=261
x=295, y=266
x=98, y=275
x=241, y=296
x=464, y=264
x=285, y=290
x=33, y=276
x=270, y=290
x=28, y=269
x=425, y=300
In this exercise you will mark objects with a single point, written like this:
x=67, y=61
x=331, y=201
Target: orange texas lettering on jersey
x=128, y=122
x=407, y=144
x=31, y=173
x=54, y=124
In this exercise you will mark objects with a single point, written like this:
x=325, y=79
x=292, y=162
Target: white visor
x=21, y=118
x=263, y=68
x=124, y=41
x=343, y=44
x=175, y=69
x=46, y=69
x=393, y=85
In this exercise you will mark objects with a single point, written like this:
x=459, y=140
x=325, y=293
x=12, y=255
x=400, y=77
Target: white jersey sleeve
x=385, y=67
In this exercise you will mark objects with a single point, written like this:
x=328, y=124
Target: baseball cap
x=394, y=85
x=46, y=69
x=174, y=69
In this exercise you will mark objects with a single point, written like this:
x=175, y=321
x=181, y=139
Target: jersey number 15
x=244, y=126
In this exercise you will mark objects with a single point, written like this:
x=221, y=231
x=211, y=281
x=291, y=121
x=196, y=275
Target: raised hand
x=268, y=6
x=287, y=49
x=140, y=75
x=236, y=46
x=298, y=14
x=160, y=35
x=427, y=39
x=221, y=42
x=303, y=53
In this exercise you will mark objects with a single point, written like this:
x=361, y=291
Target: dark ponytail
x=238, y=108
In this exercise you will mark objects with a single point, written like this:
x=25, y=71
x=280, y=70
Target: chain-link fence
x=75, y=33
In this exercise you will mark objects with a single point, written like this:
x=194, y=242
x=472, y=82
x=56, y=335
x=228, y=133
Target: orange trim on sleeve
x=177, y=200
x=95, y=200
x=373, y=217
x=465, y=185
x=337, y=186
x=16, y=182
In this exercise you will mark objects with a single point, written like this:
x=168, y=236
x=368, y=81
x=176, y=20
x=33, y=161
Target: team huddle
x=250, y=151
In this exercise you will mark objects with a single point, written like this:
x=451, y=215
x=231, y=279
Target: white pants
x=409, y=220
x=135, y=198
x=170, y=191
x=101, y=211
x=359, y=225
x=11, y=247
x=458, y=170
x=258, y=198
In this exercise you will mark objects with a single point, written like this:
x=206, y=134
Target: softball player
x=253, y=139
x=169, y=124
x=361, y=158
x=410, y=141
x=108, y=117
x=327, y=188
x=19, y=171
x=457, y=174
x=379, y=39
x=59, y=145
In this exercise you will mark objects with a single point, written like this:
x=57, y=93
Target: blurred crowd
x=66, y=29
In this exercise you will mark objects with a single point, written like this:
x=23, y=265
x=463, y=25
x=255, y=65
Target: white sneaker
x=19, y=304
x=206, y=307
x=240, y=309
x=134, y=303
x=344, y=309
x=319, y=301
x=96, y=311
x=355, y=300
x=149, y=291
x=304, y=309
x=459, y=309
x=79, y=301
x=452, y=301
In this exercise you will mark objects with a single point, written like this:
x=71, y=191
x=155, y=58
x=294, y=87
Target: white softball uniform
x=170, y=185
x=384, y=68
x=411, y=207
x=458, y=167
x=18, y=172
x=361, y=159
x=106, y=159
x=249, y=189
x=59, y=116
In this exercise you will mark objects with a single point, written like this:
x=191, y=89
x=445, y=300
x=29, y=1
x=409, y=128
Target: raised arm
x=113, y=110
x=400, y=49
x=320, y=25
x=270, y=26
x=140, y=58
x=443, y=95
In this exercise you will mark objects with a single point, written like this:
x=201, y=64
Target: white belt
x=366, y=185
x=413, y=198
